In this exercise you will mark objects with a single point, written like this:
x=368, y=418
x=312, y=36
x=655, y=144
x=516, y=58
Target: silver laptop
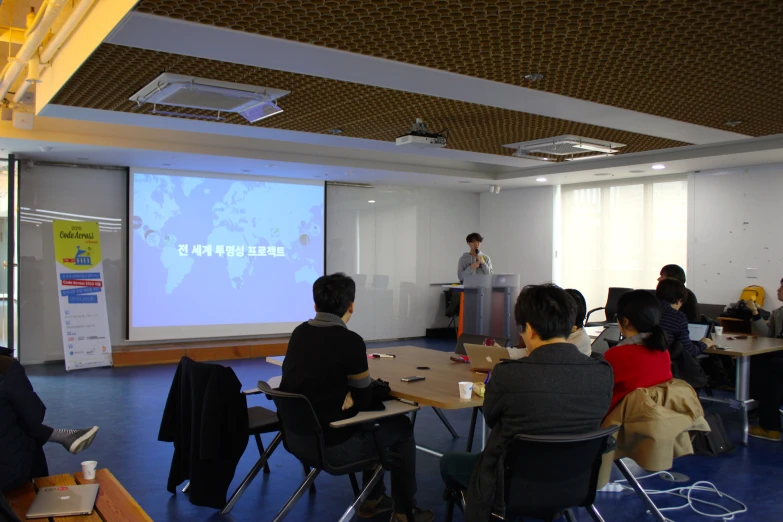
x=63, y=501
x=698, y=331
x=484, y=358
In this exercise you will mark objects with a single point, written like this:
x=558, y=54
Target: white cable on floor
x=686, y=493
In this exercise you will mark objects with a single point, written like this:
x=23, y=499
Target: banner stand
x=81, y=291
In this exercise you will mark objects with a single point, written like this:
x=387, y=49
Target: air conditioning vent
x=212, y=95
x=567, y=145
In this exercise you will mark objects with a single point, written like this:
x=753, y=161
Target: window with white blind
x=620, y=234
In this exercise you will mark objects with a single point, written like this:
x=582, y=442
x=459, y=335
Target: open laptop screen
x=698, y=331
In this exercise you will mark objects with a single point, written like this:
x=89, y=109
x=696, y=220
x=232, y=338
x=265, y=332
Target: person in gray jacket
x=475, y=261
x=767, y=377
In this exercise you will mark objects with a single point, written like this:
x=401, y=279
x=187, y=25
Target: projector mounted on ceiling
x=566, y=147
x=420, y=137
x=252, y=102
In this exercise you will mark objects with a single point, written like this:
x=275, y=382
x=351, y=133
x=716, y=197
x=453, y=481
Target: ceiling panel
x=700, y=61
x=113, y=73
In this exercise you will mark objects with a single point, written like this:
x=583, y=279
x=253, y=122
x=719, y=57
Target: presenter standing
x=475, y=261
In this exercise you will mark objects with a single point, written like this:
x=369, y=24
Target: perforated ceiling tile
x=701, y=61
x=113, y=73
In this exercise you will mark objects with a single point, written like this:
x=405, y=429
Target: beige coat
x=654, y=426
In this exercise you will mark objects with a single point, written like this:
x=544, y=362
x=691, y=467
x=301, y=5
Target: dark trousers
x=767, y=388
x=38, y=465
x=457, y=468
x=396, y=435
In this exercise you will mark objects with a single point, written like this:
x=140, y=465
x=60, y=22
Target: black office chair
x=607, y=339
x=304, y=439
x=452, y=307
x=547, y=475
x=610, y=310
x=260, y=420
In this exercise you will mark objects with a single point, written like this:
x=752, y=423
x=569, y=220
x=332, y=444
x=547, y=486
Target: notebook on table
x=484, y=358
x=63, y=501
x=698, y=331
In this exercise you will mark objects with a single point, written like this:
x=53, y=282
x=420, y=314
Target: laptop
x=63, y=501
x=484, y=358
x=698, y=331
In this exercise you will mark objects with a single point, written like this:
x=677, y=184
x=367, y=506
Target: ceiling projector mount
x=252, y=102
x=421, y=138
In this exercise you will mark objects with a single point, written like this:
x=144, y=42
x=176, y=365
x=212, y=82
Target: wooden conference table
x=439, y=389
x=743, y=350
x=114, y=503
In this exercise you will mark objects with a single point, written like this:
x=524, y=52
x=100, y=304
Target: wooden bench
x=114, y=503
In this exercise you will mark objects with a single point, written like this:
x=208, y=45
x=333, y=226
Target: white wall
x=735, y=224
x=400, y=250
x=517, y=226
x=82, y=191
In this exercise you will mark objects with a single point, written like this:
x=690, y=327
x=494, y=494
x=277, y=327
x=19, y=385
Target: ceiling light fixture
x=541, y=180
x=658, y=167
x=258, y=112
x=635, y=171
x=519, y=153
x=732, y=123
x=336, y=131
x=371, y=201
x=534, y=77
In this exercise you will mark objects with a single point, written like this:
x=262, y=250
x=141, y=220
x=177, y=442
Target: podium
x=488, y=305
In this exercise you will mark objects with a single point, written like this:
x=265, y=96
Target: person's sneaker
x=761, y=433
x=79, y=440
x=370, y=508
x=419, y=515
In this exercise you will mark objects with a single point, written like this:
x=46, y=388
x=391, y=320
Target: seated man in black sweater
x=22, y=431
x=556, y=390
x=327, y=363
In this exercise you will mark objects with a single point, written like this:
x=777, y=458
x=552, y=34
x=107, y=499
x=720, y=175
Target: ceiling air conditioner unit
x=565, y=147
x=252, y=102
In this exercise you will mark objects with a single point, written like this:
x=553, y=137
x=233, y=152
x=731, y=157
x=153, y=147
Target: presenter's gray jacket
x=464, y=268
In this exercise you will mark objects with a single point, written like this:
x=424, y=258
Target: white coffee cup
x=718, y=330
x=88, y=469
x=465, y=390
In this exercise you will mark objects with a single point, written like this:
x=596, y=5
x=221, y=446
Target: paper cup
x=718, y=330
x=88, y=469
x=465, y=390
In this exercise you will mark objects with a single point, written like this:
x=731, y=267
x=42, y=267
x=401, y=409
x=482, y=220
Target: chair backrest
x=608, y=338
x=615, y=293
x=476, y=339
x=546, y=474
x=302, y=433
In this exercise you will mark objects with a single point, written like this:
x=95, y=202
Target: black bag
x=714, y=443
x=381, y=392
x=686, y=367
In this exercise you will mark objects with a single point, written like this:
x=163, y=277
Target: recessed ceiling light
x=600, y=174
x=336, y=131
x=635, y=171
x=658, y=167
x=167, y=164
x=246, y=170
x=732, y=123
x=271, y=165
x=541, y=180
x=371, y=201
x=534, y=77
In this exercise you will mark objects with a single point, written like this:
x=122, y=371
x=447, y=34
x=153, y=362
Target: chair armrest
x=393, y=408
x=252, y=391
x=587, y=318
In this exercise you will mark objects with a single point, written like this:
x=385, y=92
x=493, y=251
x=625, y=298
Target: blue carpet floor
x=127, y=404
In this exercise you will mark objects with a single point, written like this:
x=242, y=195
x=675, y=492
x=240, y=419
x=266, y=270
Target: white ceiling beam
x=145, y=31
